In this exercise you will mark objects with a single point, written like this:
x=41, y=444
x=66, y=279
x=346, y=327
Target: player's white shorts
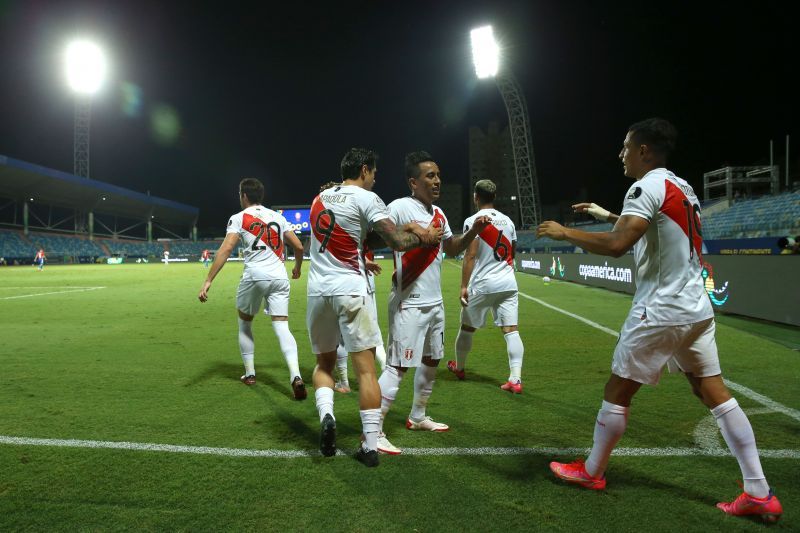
x=642, y=350
x=414, y=333
x=273, y=292
x=504, y=306
x=329, y=316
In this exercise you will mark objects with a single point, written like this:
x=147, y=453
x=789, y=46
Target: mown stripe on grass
x=437, y=452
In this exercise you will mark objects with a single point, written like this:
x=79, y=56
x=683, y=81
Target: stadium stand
x=131, y=248
x=13, y=245
x=72, y=246
x=760, y=217
x=182, y=248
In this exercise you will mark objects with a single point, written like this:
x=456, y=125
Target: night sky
x=280, y=92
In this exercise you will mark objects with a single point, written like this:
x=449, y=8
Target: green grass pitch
x=142, y=361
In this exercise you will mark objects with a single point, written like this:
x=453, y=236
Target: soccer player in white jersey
x=263, y=234
x=338, y=303
x=671, y=320
x=166, y=257
x=416, y=312
x=488, y=283
x=342, y=383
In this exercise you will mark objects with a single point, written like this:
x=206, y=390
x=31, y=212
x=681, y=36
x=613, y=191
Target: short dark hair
x=413, y=160
x=486, y=191
x=658, y=134
x=354, y=159
x=253, y=189
x=329, y=185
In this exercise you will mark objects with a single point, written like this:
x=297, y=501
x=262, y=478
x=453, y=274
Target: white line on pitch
x=55, y=292
x=741, y=389
x=294, y=454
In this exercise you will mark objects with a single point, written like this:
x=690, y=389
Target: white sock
x=380, y=356
x=324, y=397
x=515, y=352
x=738, y=434
x=341, y=366
x=389, y=382
x=247, y=346
x=463, y=347
x=424, y=378
x=288, y=347
x=608, y=429
x=371, y=424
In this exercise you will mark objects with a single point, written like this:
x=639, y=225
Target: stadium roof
x=20, y=180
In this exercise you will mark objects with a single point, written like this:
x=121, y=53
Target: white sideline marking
x=74, y=289
x=438, y=452
x=706, y=432
x=573, y=315
x=741, y=389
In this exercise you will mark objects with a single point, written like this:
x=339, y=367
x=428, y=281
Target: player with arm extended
x=337, y=292
x=488, y=282
x=671, y=321
x=416, y=311
x=263, y=233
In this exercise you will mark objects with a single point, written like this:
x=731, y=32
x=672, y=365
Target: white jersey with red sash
x=494, y=263
x=340, y=219
x=417, y=276
x=261, y=230
x=669, y=286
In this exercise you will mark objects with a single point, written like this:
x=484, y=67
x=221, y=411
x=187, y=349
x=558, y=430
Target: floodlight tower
x=486, y=57
x=86, y=70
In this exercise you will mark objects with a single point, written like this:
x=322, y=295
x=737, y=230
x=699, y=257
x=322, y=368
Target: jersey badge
x=635, y=193
x=409, y=354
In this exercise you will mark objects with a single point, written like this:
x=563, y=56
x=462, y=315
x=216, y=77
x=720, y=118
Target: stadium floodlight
x=485, y=52
x=486, y=58
x=85, y=67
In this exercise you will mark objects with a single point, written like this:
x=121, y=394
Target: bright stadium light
x=486, y=58
x=85, y=67
x=485, y=52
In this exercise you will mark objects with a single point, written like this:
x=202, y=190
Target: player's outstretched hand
x=551, y=229
x=593, y=209
x=372, y=267
x=464, y=297
x=296, y=272
x=481, y=222
x=203, y=296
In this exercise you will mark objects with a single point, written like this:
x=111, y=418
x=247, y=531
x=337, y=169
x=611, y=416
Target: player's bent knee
x=245, y=316
x=427, y=361
x=509, y=329
x=465, y=327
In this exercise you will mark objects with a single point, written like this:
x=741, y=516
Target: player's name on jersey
x=334, y=198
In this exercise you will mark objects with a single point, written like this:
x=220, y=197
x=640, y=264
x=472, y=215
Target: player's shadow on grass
x=225, y=370
x=446, y=375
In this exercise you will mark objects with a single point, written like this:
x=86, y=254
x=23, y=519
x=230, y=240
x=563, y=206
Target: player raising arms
x=263, y=233
x=416, y=313
x=337, y=291
x=488, y=282
x=671, y=320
